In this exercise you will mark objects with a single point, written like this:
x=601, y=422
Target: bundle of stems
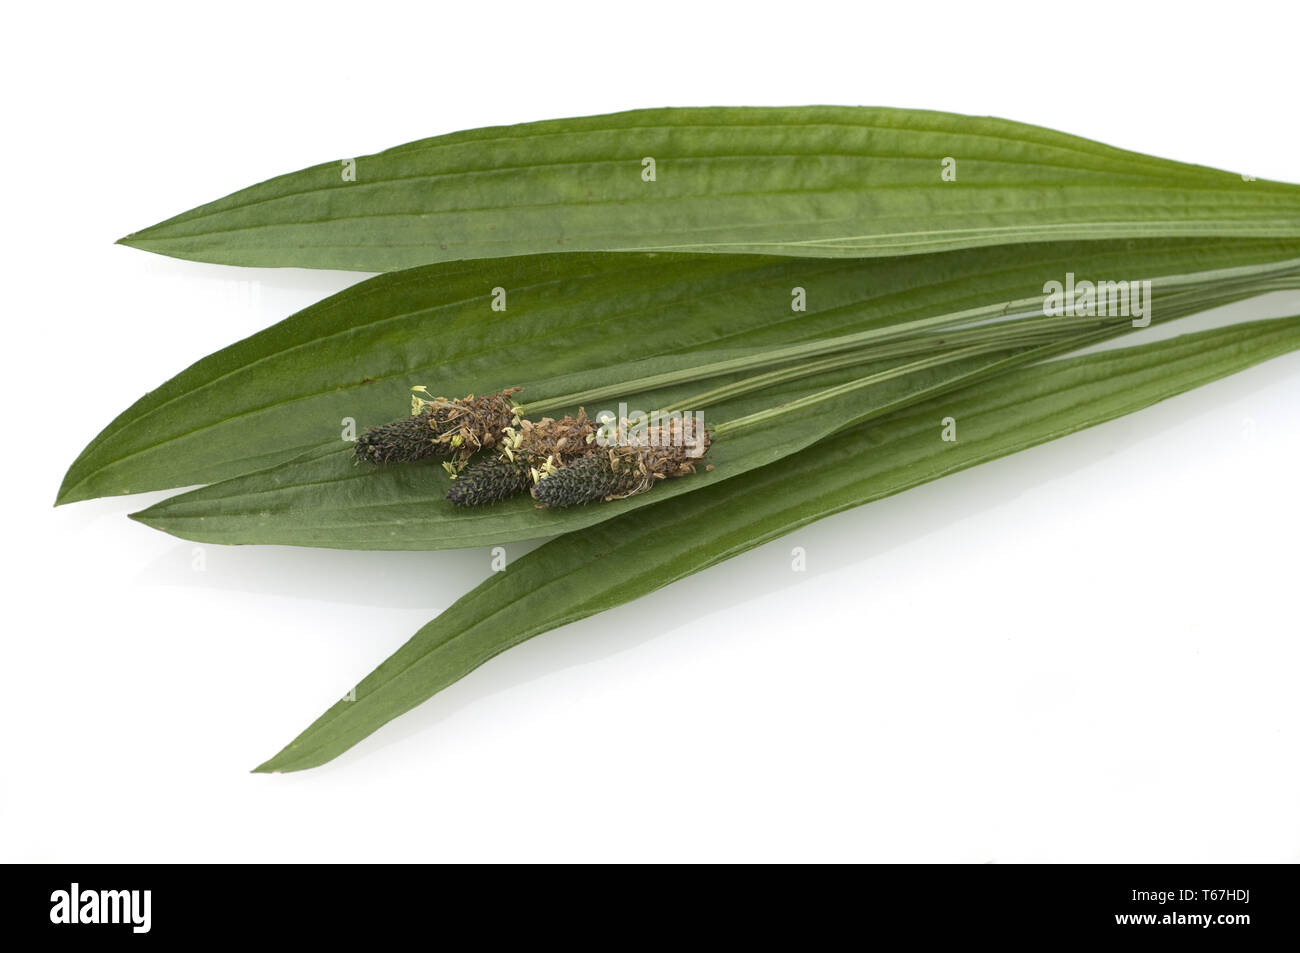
x=583, y=473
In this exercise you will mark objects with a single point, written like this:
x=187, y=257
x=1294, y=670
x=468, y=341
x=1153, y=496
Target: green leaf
x=324, y=498
x=1020, y=409
x=572, y=321
x=816, y=181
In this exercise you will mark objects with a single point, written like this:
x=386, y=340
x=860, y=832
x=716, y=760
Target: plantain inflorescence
x=562, y=461
x=489, y=481
x=526, y=452
x=615, y=473
x=440, y=427
x=611, y=474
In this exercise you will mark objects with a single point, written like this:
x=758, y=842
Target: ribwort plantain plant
x=919, y=292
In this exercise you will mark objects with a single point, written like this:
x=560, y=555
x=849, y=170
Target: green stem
x=902, y=370
x=1172, y=308
x=1005, y=314
x=929, y=343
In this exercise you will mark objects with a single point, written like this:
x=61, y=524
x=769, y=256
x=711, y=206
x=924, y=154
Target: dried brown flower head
x=614, y=473
x=440, y=427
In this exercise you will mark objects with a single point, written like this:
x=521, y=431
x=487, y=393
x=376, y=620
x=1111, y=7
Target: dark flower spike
x=527, y=450
x=612, y=474
x=440, y=427
x=489, y=481
x=402, y=441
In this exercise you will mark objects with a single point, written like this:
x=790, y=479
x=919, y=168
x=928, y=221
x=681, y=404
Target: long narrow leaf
x=817, y=181
x=685, y=535
x=571, y=322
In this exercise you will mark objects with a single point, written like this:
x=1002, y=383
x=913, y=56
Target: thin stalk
x=865, y=345
x=1175, y=307
x=1030, y=331
x=1005, y=314
x=880, y=377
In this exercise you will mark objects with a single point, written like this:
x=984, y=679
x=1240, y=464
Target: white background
x=1086, y=652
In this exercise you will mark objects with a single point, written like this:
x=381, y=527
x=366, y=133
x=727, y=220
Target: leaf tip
x=279, y=763
x=142, y=239
x=144, y=516
x=71, y=489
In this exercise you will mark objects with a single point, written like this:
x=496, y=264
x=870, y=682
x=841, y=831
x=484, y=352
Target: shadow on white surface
x=396, y=580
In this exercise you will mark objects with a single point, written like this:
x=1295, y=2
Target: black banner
x=134, y=905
